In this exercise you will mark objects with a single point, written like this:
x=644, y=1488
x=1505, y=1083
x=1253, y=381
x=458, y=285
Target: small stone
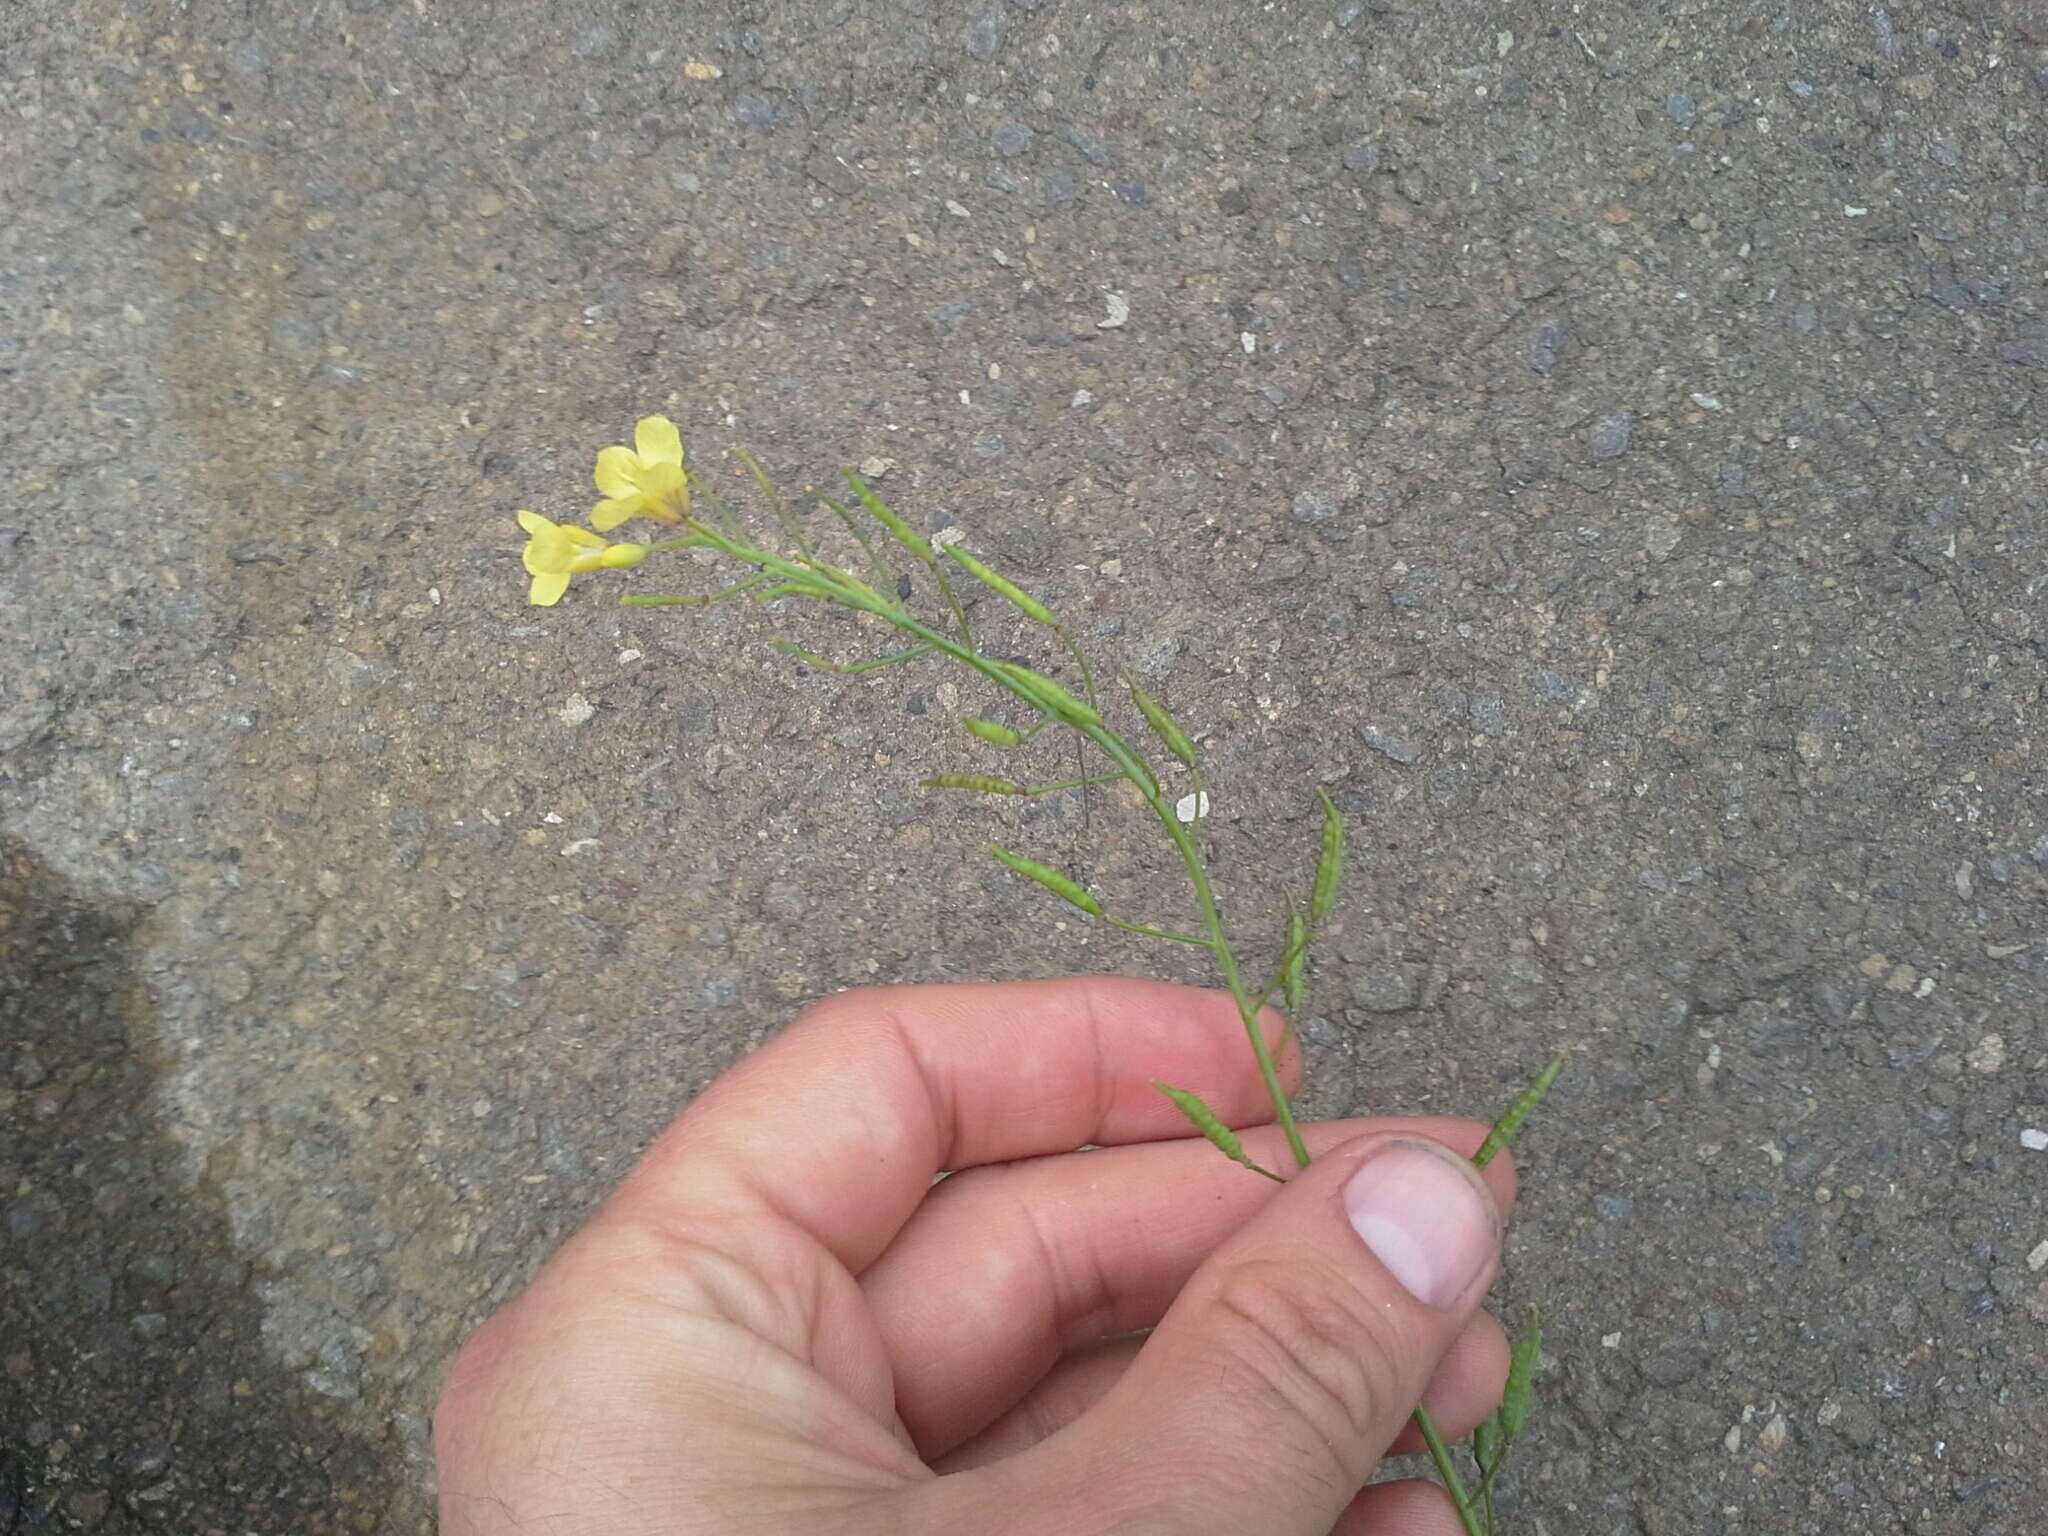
x=1546, y=346
x=1965, y=887
x=983, y=34
x=1681, y=109
x=1732, y=1441
x=1189, y=807
x=1362, y=160
x=697, y=69
x=1314, y=507
x=87, y=1506
x=2034, y=1140
x=1772, y=1437
x=1012, y=139
x=755, y=111
x=2037, y=1260
x=1610, y=435
x=1809, y=746
x=1901, y=978
x=1662, y=536
x=1613, y=1207
x=1384, y=989
x=1988, y=1055
x=1131, y=192
x=149, y=1325
x=575, y=710
x=489, y=205
x=1398, y=748
x=1119, y=312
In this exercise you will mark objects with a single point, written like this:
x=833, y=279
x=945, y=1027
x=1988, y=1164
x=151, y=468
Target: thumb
x=1294, y=1355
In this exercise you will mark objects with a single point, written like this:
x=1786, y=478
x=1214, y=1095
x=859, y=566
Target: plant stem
x=1447, y=1469
x=854, y=594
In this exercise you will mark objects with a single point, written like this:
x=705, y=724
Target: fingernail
x=1424, y=1217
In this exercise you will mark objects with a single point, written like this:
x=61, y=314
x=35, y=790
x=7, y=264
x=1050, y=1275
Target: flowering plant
x=650, y=480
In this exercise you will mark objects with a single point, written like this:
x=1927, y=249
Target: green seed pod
x=1052, y=880
x=1162, y=723
x=899, y=530
x=1219, y=1135
x=1047, y=694
x=1521, y=1388
x=1504, y=1128
x=1329, y=867
x=1486, y=1444
x=1294, y=979
x=994, y=732
x=1003, y=587
x=981, y=783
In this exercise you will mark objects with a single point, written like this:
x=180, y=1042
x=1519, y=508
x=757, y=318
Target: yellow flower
x=556, y=551
x=645, y=480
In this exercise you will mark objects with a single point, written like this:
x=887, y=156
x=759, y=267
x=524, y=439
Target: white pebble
x=1119, y=312
x=628, y=656
x=2038, y=1259
x=434, y=596
x=1611, y=1340
x=956, y=209
x=575, y=710
x=1081, y=398
x=2033, y=1140
x=1189, y=807
x=1248, y=341
x=581, y=845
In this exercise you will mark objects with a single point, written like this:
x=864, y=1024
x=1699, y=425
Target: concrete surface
x=1606, y=446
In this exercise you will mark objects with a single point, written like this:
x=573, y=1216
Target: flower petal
x=547, y=553
x=582, y=536
x=547, y=589
x=658, y=441
x=662, y=482
x=533, y=522
x=617, y=471
x=607, y=515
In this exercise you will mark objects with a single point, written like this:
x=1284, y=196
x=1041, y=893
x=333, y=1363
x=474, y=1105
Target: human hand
x=780, y=1325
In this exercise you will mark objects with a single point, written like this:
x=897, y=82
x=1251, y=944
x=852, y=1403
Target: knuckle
x=1309, y=1341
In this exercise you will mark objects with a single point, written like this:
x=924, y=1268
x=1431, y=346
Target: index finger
x=840, y=1124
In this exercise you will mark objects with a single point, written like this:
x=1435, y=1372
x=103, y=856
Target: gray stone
x=983, y=35
x=1314, y=506
x=1362, y=159
x=1610, y=436
x=1681, y=109
x=1546, y=346
x=1384, y=988
x=1399, y=748
x=1012, y=139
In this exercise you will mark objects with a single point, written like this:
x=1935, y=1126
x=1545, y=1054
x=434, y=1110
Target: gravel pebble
x=1610, y=436
x=1388, y=745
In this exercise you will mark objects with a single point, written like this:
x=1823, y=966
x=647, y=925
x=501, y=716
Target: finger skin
x=1008, y=1269
x=839, y=1125
x=1408, y=1507
x=1284, y=1371
x=1466, y=1388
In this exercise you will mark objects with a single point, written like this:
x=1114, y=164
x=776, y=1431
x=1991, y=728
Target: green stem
x=1447, y=1469
x=1157, y=933
x=850, y=593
